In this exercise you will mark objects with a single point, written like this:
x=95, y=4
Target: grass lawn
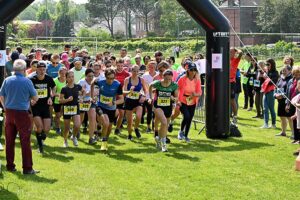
x=256, y=166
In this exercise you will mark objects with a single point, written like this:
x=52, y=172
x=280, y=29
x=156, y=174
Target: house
x=153, y=24
x=242, y=16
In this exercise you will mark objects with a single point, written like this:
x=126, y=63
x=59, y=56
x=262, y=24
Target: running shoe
x=66, y=145
x=148, y=130
x=187, y=139
x=117, y=131
x=281, y=134
x=164, y=145
x=1, y=147
x=58, y=131
x=168, y=141
x=129, y=137
x=265, y=126
x=157, y=140
x=273, y=126
x=75, y=141
x=180, y=135
x=92, y=141
x=104, y=146
x=234, y=119
x=137, y=133
x=170, y=128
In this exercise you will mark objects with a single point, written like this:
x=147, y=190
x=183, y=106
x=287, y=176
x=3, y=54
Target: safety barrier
x=199, y=117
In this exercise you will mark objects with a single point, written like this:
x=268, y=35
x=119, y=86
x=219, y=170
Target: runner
x=121, y=75
x=86, y=106
x=78, y=69
x=133, y=86
x=166, y=93
x=44, y=86
x=69, y=98
x=60, y=82
x=109, y=90
x=148, y=77
x=189, y=87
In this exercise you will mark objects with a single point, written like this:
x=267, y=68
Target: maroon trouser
x=18, y=121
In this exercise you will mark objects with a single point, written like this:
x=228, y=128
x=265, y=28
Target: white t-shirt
x=78, y=75
x=201, y=66
x=100, y=77
x=87, y=88
x=148, y=79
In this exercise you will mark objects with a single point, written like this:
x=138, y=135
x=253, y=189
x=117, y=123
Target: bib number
x=84, y=106
x=256, y=83
x=189, y=101
x=42, y=93
x=70, y=110
x=134, y=95
x=163, y=101
x=106, y=100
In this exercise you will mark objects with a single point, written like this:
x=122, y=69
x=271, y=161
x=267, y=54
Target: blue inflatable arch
x=217, y=45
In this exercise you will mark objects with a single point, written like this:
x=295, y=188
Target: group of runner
x=106, y=91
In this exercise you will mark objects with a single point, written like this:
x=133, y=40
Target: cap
x=64, y=57
x=14, y=55
x=191, y=65
x=41, y=64
x=77, y=59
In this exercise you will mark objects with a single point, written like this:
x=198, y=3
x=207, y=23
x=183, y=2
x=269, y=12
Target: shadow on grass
x=34, y=178
x=6, y=194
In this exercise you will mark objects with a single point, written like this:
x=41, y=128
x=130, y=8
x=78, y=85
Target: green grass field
x=256, y=166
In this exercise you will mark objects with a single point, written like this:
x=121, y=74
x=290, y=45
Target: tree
x=29, y=13
x=105, y=11
x=277, y=16
x=175, y=19
x=43, y=14
x=63, y=23
x=144, y=9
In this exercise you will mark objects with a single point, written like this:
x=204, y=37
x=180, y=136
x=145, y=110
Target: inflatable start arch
x=217, y=55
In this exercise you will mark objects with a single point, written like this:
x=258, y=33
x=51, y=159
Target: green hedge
x=131, y=45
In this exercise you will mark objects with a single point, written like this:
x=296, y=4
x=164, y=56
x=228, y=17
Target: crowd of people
x=106, y=90
x=96, y=93
x=262, y=85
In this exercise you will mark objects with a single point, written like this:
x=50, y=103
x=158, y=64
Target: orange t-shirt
x=186, y=87
x=234, y=63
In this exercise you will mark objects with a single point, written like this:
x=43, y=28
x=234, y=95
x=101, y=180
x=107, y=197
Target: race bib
x=70, y=110
x=190, y=101
x=251, y=81
x=163, y=101
x=106, y=100
x=256, y=83
x=134, y=95
x=84, y=106
x=42, y=93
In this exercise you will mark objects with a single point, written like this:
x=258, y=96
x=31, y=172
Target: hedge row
x=146, y=45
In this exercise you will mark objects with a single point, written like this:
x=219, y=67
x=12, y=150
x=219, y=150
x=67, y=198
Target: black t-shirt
x=43, y=89
x=74, y=92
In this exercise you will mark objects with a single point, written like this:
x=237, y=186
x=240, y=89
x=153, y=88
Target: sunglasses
x=136, y=71
x=110, y=78
x=268, y=64
x=55, y=63
x=193, y=70
x=168, y=74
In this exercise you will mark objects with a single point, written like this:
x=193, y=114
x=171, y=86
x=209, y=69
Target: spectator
x=268, y=88
x=244, y=69
x=123, y=53
x=9, y=64
x=250, y=74
x=15, y=95
x=280, y=94
x=258, y=81
x=288, y=60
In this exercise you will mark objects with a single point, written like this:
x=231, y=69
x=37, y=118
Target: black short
x=232, y=90
x=71, y=115
x=42, y=112
x=166, y=109
x=131, y=104
x=57, y=107
x=120, y=106
x=110, y=113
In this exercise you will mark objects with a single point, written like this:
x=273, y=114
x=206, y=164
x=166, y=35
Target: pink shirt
x=186, y=87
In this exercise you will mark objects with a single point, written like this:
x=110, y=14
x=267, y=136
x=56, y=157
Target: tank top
x=137, y=87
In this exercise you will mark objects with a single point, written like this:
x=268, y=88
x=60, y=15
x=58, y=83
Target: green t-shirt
x=245, y=67
x=59, y=85
x=175, y=66
x=163, y=94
